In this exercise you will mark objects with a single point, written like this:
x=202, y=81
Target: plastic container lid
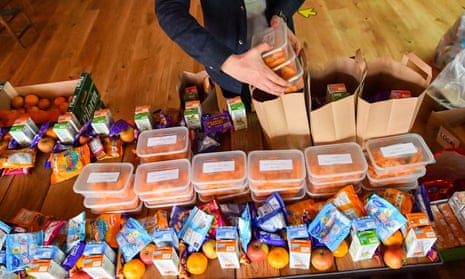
x=276, y=37
x=226, y=169
x=163, y=144
x=397, y=153
x=109, y=179
x=335, y=164
x=275, y=170
x=164, y=177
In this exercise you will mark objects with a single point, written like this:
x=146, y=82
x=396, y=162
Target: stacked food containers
x=220, y=174
x=108, y=187
x=331, y=167
x=281, y=171
x=397, y=161
x=282, y=58
x=163, y=144
x=165, y=183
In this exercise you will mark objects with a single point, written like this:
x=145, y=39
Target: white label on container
x=96, y=177
x=398, y=149
x=218, y=166
x=271, y=165
x=157, y=176
x=166, y=140
x=334, y=159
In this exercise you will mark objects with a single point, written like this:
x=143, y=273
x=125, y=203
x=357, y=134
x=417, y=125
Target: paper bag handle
x=420, y=64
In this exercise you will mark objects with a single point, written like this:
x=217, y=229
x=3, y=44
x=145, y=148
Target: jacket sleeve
x=174, y=18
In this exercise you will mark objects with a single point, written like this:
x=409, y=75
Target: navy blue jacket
x=224, y=32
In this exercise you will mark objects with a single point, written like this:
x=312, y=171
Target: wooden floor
x=133, y=62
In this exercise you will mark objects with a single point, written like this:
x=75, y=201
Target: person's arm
x=174, y=18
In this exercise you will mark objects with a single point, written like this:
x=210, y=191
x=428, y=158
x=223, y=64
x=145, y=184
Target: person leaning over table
x=222, y=45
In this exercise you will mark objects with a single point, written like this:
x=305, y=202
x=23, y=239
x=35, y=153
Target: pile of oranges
x=40, y=109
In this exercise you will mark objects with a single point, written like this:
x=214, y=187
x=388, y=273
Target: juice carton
x=46, y=269
x=102, y=121
x=99, y=247
x=364, y=240
x=165, y=237
x=414, y=220
x=50, y=252
x=398, y=94
x=143, y=118
x=227, y=247
x=99, y=266
x=166, y=260
x=193, y=114
x=419, y=241
x=66, y=128
x=336, y=91
x=24, y=130
x=237, y=112
x=300, y=247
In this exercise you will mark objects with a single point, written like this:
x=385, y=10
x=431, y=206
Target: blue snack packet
x=272, y=215
x=244, y=226
x=196, y=228
x=20, y=247
x=132, y=238
x=76, y=231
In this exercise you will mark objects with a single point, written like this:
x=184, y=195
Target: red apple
x=394, y=257
x=322, y=259
x=80, y=274
x=257, y=251
x=146, y=254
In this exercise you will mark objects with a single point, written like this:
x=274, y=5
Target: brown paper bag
x=205, y=85
x=445, y=129
x=335, y=121
x=393, y=116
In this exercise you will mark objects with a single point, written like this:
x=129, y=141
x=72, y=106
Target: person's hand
x=275, y=21
x=250, y=68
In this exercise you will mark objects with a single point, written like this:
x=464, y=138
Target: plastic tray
x=219, y=170
x=163, y=178
x=163, y=144
x=390, y=155
x=335, y=165
x=108, y=179
x=275, y=170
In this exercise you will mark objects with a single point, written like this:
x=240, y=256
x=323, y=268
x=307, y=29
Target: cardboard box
x=227, y=247
x=166, y=260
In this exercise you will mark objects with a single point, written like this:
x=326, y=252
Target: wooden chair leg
x=6, y=16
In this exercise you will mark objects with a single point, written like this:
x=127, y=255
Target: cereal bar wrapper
x=132, y=238
x=196, y=228
x=330, y=226
x=387, y=217
x=272, y=215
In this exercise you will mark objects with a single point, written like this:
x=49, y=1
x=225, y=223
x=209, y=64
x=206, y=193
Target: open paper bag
x=206, y=87
x=335, y=121
x=391, y=116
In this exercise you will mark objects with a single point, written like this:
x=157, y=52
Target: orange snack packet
x=348, y=202
x=400, y=199
x=69, y=163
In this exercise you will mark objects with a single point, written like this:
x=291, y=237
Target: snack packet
x=132, y=238
x=157, y=221
x=401, y=200
x=244, y=226
x=4, y=231
x=69, y=163
x=347, y=201
x=213, y=209
x=51, y=230
x=196, y=228
x=30, y=220
x=76, y=230
x=105, y=228
x=17, y=158
x=178, y=217
x=271, y=215
x=20, y=247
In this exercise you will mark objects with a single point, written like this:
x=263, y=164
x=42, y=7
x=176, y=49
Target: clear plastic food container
x=125, y=210
x=105, y=179
x=317, y=192
x=392, y=179
x=166, y=197
x=223, y=191
x=291, y=71
x=333, y=165
x=219, y=170
x=276, y=170
x=124, y=202
x=276, y=37
x=402, y=153
x=285, y=197
x=163, y=144
x=172, y=202
x=221, y=197
x=403, y=187
x=163, y=178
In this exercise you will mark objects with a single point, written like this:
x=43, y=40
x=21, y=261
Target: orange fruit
x=17, y=102
x=59, y=100
x=394, y=239
x=31, y=100
x=341, y=250
x=44, y=103
x=278, y=257
x=134, y=269
x=197, y=263
x=63, y=107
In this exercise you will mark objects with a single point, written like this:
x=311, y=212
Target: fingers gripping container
x=219, y=173
x=397, y=160
x=333, y=166
x=163, y=144
x=108, y=187
x=280, y=171
x=165, y=183
x=276, y=37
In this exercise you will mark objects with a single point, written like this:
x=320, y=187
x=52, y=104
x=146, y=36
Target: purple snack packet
x=165, y=121
x=272, y=215
x=43, y=128
x=218, y=123
x=86, y=130
x=3, y=132
x=13, y=144
x=74, y=255
x=316, y=243
x=118, y=127
x=273, y=239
